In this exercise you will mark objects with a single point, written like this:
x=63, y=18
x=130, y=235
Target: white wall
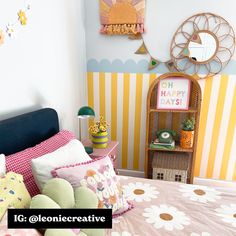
x=162, y=20
x=45, y=65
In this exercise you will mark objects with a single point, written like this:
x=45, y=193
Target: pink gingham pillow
x=100, y=177
x=20, y=162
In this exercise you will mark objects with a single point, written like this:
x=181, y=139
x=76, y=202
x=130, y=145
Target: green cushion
x=85, y=198
x=94, y=232
x=60, y=191
x=59, y=232
x=43, y=202
x=62, y=232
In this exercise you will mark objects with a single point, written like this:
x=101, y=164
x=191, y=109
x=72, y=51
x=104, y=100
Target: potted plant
x=187, y=133
x=99, y=133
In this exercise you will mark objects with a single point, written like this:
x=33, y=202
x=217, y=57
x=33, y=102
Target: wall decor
x=203, y=44
x=122, y=17
x=173, y=94
x=11, y=28
x=2, y=37
x=143, y=50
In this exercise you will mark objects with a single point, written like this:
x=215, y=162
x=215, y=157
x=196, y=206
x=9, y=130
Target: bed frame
x=27, y=130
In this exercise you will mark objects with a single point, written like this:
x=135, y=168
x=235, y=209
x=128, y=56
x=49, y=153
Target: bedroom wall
x=45, y=65
x=118, y=81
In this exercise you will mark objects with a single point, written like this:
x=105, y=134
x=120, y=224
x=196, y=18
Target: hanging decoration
x=10, y=28
x=2, y=37
x=142, y=49
x=122, y=17
x=11, y=31
x=170, y=65
x=153, y=63
x=135, y=36
x=22, y=17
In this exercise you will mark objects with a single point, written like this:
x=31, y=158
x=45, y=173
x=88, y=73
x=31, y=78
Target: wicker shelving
x=155, y=122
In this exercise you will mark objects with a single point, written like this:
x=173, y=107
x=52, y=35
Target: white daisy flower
x=122, y=177
x=201, y=234
x=117, y=220
x=166, y=217
x=124, y=233
x=11, y=31
x=140, y=192
x=228, y=214
x=199, y=193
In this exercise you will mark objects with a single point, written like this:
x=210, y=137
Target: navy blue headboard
x=27, y=130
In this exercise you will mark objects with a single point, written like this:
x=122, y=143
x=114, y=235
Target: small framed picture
x=173, y=94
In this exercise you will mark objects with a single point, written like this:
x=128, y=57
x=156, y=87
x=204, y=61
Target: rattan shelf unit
x=155, y=122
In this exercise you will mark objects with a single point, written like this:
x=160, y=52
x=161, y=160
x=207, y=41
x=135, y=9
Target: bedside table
x=111, y=150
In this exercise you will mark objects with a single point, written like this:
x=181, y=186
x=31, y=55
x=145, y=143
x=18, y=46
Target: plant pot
x=100, y=140
x=186, y=139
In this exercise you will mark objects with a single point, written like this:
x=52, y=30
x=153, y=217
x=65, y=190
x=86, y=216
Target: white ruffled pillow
x=2, y=165
x=73, y=152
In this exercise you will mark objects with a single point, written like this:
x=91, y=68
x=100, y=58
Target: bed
x=160, y=208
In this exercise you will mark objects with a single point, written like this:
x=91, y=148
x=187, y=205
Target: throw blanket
x=122, y=16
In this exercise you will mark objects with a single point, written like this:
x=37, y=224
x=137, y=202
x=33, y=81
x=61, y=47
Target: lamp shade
x=86, y=112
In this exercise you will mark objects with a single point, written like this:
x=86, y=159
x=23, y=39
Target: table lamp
x=85, y=113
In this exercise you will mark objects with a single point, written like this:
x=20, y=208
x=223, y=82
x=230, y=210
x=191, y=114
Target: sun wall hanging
x=122, y=17
x=9, y=30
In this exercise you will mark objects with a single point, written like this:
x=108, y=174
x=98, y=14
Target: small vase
x=186, y=139
x=100, y=140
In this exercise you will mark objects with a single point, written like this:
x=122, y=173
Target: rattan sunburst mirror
x=203, y=45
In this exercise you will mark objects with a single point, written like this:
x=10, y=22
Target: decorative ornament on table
x=99, y=133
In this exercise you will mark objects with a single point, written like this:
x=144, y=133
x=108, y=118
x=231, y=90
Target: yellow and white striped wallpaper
x=121, y=98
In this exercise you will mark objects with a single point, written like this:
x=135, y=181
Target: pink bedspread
x=174, y=209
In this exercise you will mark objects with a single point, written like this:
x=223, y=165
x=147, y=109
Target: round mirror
x=202, y=47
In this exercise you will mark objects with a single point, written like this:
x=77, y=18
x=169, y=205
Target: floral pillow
x=13, y=193
x=100, y=177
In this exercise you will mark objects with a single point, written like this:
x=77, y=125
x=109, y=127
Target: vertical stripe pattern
x=102, y=96
x=230, y=136
x=125, y=128
x=121, y=98
x=114, y=106
x=137, y=120
x=216, y=127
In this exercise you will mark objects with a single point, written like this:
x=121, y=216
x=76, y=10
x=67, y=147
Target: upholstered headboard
x=27, y=130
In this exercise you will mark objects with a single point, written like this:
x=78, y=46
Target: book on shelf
x=164, y=146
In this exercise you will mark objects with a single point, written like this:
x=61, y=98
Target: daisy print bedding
x=174, y=209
